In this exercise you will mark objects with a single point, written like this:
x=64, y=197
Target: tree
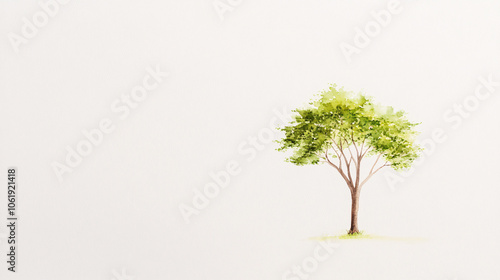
x=349, y=127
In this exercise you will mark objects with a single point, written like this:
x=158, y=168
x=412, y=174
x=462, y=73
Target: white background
x=120, y=207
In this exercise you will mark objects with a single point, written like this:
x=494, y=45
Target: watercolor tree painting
x=341, y=129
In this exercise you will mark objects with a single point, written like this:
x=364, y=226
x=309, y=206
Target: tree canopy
x=340, y=120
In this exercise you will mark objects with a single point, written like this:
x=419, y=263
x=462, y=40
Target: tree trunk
x=354, y=212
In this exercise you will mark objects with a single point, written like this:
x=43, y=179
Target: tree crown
x=339, y=119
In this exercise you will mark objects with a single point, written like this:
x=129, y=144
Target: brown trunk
x=354, y=212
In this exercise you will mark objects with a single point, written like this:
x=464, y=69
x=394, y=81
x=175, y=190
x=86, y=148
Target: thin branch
x=345, y=159
x=333, y=148
x=348, y=147
x=373, y=173
x=340, y=171
x=352, y=157
x=338, y=155
x=354, y=143
x=350, y=170
x=348, y=162
x=340, y=149
x=335, y=151
x=369, y=148
x=362, y=145
x=375, y=163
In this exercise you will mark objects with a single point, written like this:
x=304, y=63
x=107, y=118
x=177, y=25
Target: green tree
x=342, y=128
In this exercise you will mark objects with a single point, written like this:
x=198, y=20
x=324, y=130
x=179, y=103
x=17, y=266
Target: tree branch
x=375, y=163
x=349, y=184
x=354, y=143
x=352, y=157
x=338, y=155
x=348, y=163
x=367, y=149
x=362, y=146
x=340, y=149
x=373, y=173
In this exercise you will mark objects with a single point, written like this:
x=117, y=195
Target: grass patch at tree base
x=363, y=235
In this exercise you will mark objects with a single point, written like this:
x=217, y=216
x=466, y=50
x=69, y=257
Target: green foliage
x=342, y=118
